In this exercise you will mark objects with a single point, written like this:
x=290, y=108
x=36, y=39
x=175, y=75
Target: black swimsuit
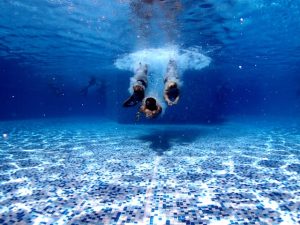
x=136, y=97
x=173, y=93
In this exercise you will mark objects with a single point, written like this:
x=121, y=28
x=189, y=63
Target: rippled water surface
x=61, y=35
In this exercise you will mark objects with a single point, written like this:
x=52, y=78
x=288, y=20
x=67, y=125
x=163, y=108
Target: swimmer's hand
x=149, y=114
x=176, y=101
x=170, y=103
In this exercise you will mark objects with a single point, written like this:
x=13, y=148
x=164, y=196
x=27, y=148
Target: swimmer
x=171, y=92
x=92, y=82
x=138, y=85
x=150, y=107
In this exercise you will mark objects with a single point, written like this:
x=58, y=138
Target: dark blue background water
x=49, y=50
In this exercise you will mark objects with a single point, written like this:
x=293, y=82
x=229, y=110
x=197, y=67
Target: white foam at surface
x=158, y=58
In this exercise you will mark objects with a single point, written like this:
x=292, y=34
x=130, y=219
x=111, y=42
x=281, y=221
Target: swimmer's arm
x=147, y=112
x=142, y=109
x=156, y=112
x=167, y=98
x=159, y=109
x=176, y=100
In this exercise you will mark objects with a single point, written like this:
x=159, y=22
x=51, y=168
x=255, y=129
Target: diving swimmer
x=171, y=91
x=150, y=107
x=138, y=85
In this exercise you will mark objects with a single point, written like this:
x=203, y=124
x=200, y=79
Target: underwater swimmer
x=171, y=92
x=150, y=107
x=138, y=85
x=92, y=82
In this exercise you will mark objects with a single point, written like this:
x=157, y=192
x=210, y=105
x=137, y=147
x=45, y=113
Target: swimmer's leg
x=131, y=101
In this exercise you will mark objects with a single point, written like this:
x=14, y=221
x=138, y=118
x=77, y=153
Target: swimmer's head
x=150, y=103
x=172, y=85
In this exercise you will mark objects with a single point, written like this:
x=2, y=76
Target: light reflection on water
x=54, y=34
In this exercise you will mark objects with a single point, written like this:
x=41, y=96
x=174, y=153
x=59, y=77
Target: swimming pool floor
x=55, y=172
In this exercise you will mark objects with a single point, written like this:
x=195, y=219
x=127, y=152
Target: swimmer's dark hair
x=174, y=85
x=151, y=103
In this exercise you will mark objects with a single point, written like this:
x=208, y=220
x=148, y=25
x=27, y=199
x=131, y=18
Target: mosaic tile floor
x=55, y=172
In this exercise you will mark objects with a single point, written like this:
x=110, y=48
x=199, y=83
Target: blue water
x=227, y=153
x=56, y=46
